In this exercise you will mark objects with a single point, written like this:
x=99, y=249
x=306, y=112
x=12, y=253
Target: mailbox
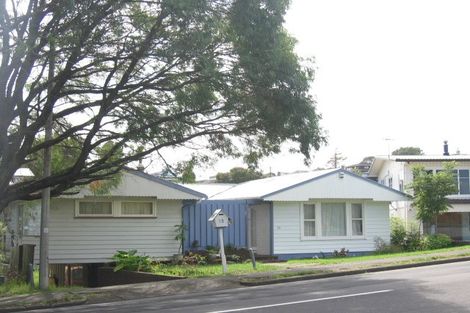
x=219, y=219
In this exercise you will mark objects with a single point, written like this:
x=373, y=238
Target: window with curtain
x=137, y=208
x=357, y=219
x=95, y=208
x=309, y=220
x=116, y=208
x=333, y=219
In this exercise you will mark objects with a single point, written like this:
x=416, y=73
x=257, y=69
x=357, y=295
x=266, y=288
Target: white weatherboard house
x=306, y=214
x=139, y=214
x=396, y=172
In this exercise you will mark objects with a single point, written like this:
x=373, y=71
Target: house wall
x=287, y=241
x=342, y=185
x=403, y=170
x=95, y=240
x=195, y=216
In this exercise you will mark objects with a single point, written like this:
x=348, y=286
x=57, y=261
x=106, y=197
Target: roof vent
x=446, y=148
x=340, y=175
x=140, y=167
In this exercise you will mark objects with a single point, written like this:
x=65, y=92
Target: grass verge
x=465, y=250
x=195, y=271
x=12, y=288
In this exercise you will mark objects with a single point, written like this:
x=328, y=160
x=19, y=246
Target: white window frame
x=77, y=208
x=116, y=208
x=318, y=227
x=357, y=219
x=119, y=206
x=302, y=220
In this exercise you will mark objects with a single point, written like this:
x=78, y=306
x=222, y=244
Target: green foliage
x=130, y=261
x=180, y=236
x=63, y=156
x=436, y=241
x=381, y=247
x=407, y=238
x=185, y=171
x=398, y=231
x=194, y=258
x=431, y=191
x=218, y=76
x=238, y=175
x=408, y=151
x=410, y=239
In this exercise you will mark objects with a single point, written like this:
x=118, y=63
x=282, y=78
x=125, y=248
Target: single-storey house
x=307, y=214
x=140, y=213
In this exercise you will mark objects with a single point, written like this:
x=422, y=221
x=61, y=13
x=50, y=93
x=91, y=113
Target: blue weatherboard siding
x=196, y=214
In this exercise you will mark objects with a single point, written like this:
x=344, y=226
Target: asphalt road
x=431, y=289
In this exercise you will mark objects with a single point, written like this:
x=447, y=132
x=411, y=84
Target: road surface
x=430, y=289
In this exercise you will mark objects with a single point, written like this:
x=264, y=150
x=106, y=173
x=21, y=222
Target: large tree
x=139, y=76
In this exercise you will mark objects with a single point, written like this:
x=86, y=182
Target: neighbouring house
x=396, y=172
x=10, y=216
x=86, y=230
x=313, y=213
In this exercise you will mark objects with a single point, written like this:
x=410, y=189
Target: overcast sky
x=384, y=69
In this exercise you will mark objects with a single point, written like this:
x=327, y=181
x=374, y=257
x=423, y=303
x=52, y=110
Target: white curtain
x=96, y=208
x=136, y=208
x=333, y=219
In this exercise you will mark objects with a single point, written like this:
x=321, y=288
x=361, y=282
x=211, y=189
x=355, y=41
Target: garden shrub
x=398, y=231
x=237, y=254
x=342, y=253
x=437, y=241
x=130, y=261
x=408, y=238
x=194, y=258
x=382, y=247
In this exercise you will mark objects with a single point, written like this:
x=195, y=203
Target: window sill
x=333, y=238
x=114, y=217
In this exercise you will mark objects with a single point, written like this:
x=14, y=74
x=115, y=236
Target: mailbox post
x=220, y=221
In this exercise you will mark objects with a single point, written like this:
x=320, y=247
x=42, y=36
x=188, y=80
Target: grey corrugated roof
x=209, y=189
x=257, y=189
x=421, y=158
x=166, y=182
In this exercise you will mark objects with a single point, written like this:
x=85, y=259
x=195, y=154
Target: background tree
x=238, y=175
x=408, y=151
x=336, y=160
x=150, y=74
x=185, y=171
x=430, y=192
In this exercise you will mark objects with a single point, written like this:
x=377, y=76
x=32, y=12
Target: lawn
x=465, y=250
x=194, y=271
x=20, y=288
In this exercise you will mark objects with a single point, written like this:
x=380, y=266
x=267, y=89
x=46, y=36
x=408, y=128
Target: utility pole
x=46, y=192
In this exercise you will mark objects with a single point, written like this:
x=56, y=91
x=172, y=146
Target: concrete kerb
x=260, y=281
x=19, y=308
